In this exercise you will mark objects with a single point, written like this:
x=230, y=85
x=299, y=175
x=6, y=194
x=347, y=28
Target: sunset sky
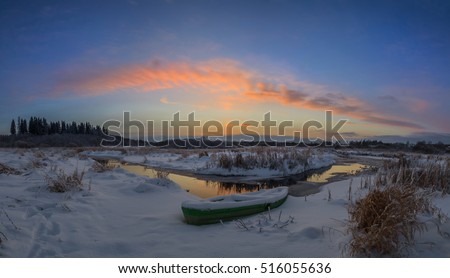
x=383, y=65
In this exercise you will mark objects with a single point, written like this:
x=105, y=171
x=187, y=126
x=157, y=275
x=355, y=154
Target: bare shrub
x=100, y=167
x=61, y=182
x=36, y=163
x=160, y=174
x=202, y=154
x=5, y=169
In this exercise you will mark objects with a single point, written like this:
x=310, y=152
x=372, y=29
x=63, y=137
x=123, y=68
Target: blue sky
x=384, y=65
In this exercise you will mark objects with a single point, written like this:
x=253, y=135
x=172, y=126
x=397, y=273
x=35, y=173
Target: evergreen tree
x=98, y=130
x=73, y=128
x=58, y=127
x=63, y=127
x=23, y=126
x=18, y=125
x=40, y=126
x=32, y=126
x=88, y=128
x=80, y=128
x=45, y=127
x=13, y=127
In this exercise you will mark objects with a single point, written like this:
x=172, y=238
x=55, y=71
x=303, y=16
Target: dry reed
x=160, y=174
x=386, y=220
x=5, y=169
x=260, y=157
x=62, y=182
x=100, y=167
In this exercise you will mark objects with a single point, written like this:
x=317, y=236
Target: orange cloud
x=165, y=100
x=214, y=76
x=229, y=81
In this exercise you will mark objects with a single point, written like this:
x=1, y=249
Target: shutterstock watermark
x=190, y=132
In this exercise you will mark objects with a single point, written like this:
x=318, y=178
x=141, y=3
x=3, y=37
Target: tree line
x=40, y=126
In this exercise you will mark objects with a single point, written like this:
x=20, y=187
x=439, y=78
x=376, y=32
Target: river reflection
x=210, y=188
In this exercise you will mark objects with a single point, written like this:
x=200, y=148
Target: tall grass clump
x=428, y=173
x=101, y=166
x=261, y=157
x=386, y=220
x=5, y=169
x=61, y=182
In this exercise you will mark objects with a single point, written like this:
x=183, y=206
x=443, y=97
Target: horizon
x=381, y=65
x=159, y=132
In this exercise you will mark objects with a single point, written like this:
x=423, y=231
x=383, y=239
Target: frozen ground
x=119, y=214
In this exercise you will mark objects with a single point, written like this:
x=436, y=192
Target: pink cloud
x=213, y=75
x=165, y=100
x=229, y=83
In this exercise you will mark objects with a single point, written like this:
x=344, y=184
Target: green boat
x=229, y=207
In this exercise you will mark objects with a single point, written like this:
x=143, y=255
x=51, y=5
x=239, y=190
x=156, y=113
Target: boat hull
x=195, y=216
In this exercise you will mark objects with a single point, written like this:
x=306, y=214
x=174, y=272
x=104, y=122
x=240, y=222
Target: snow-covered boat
x=229, y=207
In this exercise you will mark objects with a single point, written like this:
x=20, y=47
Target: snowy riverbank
x=119, y=214
x=249, y=162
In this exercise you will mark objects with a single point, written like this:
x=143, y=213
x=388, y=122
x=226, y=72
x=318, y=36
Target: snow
x=105, y=154
x=264, y=196
x=314, y=162
x=120, y=214
x=192, y=163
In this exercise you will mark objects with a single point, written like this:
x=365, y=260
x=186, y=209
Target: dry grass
x=100, y=167
x=39, y=154
x=160, y=174
x=432, y=173
x=37, y=159
x=37, y=163
x=260, y=157
x=61, y=182
x=5, y=169
x=385, y=221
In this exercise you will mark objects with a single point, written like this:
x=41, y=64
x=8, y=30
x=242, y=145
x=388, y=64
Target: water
x=209, y=188
x=346, y=169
